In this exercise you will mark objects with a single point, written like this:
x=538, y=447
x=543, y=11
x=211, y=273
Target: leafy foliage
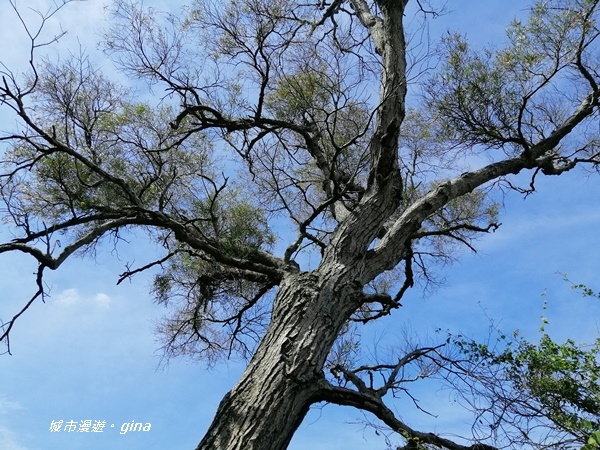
x=542, y=391
x=495, y=97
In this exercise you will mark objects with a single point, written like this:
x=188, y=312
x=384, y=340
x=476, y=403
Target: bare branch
x=130, y=273
x=6, y=327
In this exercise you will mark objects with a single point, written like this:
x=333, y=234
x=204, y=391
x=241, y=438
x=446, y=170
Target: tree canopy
x=335, y=121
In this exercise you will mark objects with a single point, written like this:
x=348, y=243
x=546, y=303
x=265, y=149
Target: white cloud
x=8, y=440
x=102, y=300
x=7, y=406
x=68, y=297
x=72, y=296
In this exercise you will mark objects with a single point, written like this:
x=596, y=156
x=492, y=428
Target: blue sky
x=89, y=353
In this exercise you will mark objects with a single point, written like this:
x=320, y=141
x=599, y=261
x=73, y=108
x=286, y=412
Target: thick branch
x=373, y=23
x=385, y=256
x=46, y=259
x=384, y=186
x=257, y=261
x=373, y=404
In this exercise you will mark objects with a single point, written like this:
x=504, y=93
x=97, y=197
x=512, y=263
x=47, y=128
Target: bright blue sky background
x=89, y=352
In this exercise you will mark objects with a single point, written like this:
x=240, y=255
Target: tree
x=285, y=91
x=534, y=394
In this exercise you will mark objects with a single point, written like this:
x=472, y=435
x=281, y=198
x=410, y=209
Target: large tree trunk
x=265, y=408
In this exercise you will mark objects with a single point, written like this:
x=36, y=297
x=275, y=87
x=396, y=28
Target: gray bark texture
x=286, y=374
x=283, y=378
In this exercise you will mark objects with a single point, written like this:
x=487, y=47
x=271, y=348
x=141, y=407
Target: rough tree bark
x=283, y=378
x=285, y=375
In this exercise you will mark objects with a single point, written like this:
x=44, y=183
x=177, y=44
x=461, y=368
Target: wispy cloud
x=68, y=297
x=102, y=300
x=7, y=406
x=8, y=440
x=72, y=296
